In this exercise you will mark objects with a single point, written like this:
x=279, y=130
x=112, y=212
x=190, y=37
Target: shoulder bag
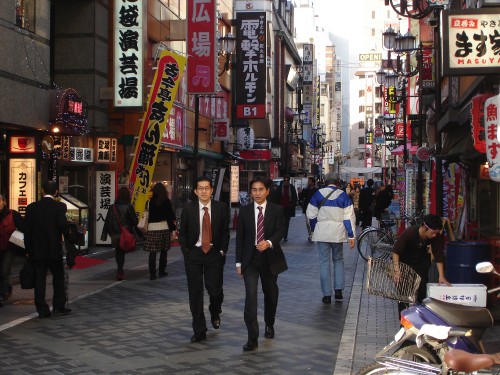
x=144, y=222
x=127, y=239
x=325, y=198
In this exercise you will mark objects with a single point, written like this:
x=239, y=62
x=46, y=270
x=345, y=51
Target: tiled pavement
x=140, y=326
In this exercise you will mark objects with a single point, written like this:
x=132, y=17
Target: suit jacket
x=45, y=224
x=189, y=230
x=290, y=210
x=274, y=230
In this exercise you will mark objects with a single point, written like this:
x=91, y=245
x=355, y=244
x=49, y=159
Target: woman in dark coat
x=111, y=227
x=161, y=223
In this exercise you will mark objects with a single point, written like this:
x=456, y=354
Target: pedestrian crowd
x=332, y=214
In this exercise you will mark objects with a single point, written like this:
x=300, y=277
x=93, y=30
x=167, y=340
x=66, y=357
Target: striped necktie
x=260, y=226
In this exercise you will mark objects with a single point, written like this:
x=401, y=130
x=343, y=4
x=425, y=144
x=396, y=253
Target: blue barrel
x=461, y=260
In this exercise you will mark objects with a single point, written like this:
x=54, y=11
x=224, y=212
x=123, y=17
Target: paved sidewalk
x=139, y=326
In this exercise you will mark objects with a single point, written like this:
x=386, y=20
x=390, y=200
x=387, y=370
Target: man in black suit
x=45, y=225
x=258, y=253
x=204, y=257
x=286, y=196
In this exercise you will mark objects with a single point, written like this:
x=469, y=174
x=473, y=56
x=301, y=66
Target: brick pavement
x=140, y=326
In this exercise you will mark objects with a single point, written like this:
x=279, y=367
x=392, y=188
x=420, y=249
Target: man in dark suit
x=286, y=197
x=258, y=253
x=204, y=254
x=45, y=225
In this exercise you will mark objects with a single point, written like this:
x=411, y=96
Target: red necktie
x=206, y=232
x=260, y=226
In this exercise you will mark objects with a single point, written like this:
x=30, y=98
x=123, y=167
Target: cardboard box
x=463, y=294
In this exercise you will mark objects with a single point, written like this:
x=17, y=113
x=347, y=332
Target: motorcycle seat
x=459, y=315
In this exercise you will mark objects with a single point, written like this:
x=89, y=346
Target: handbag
x=17, y=238
x=27, y=275
x=127, y=239
x=143, y=223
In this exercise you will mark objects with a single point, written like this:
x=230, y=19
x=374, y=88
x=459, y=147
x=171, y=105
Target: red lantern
x=477, y=120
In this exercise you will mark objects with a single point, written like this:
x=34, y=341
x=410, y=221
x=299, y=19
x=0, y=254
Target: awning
x=399, y=150
x=360, y=169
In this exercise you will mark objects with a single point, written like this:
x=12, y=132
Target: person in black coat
x=259, y=254
x=45, y=225
x=127, y=218
x=366, y=198
x=161, y=223
x=204, y=257
x=382, y=201
x=286, y=197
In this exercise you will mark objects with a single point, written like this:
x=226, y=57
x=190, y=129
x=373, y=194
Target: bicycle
x=377, y=243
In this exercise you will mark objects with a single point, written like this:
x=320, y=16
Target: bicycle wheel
x=375, y=243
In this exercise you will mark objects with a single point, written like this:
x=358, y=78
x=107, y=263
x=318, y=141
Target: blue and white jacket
x=335, y=220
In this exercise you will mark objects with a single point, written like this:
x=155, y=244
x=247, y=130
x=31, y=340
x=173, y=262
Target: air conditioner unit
x=275, y=153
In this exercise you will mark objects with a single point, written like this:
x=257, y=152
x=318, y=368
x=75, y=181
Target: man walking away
x=45, y=225
x=305, y=196
x=333, y=221
x=286, y=197
x=366, y=198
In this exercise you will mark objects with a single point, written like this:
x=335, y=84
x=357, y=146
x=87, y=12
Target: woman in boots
x=161, y=223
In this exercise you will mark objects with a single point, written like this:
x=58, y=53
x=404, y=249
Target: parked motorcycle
x=466, y=325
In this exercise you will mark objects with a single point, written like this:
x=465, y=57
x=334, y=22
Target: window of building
x=361, y=108
x=25, y=14
x=361, y=125
x=377, y=91
x=361, y=140
x=322, y=110
x=373, y=31
x=378, y=107
x=373, y=14
x=361, y=93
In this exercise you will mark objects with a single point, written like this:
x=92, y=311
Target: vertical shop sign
x=251, y=68
x=201, y=44
x=173, y=135
x=128, y=52
x=105, y=196
x=106, y=150
x=161, y=98
x=491, y=107
x=234, y=181
x=22, y=184
x=220, y=129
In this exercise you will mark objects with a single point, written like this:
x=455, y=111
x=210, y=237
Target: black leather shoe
x=44, y=315
x=327, y=299
x=269, y=332
x=338, y=295
x=60, y=312
x=197, y=337
x=216, y=322
x=250, y=345
x=162, y=274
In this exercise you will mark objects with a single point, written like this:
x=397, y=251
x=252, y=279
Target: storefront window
x=25, y=14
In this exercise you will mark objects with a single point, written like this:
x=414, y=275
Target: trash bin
x=461, y=260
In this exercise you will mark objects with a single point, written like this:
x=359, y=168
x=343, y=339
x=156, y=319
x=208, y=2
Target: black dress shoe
x=60, y=312
x=250, y=345
x=327, y=299
x=216, y=322
x=269, y=332
x=197, y=337
x=162, y=274
x=44, y=315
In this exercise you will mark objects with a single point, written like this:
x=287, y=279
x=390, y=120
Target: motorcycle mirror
x=485, y=267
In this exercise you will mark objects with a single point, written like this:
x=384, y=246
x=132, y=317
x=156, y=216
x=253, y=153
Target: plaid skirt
x=157, y=240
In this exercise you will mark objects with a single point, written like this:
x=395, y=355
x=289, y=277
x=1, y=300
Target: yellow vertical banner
x=161, y=98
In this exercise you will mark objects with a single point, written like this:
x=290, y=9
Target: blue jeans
x=328, y=252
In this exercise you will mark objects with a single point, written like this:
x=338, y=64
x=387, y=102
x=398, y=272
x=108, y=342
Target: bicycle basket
x=410, y=366
x=381, y=281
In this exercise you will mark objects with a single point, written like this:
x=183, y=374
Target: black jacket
x=127, y=218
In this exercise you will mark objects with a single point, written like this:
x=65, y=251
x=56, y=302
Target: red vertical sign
x=201, y=44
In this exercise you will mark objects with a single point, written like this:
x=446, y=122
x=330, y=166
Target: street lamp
x=227, y=45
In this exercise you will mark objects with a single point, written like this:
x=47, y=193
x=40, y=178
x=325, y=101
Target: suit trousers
x=201, y=267
x=56, y=267
x=259, y=267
